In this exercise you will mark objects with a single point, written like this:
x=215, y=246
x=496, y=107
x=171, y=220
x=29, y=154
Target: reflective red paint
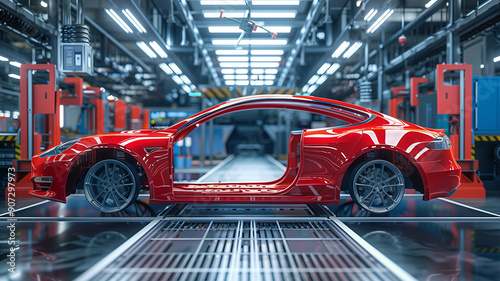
x=327, y=157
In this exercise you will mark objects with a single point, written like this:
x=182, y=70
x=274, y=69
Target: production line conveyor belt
x=245, y=242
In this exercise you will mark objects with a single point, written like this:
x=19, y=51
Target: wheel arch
x=404, y=162
x=82, y=163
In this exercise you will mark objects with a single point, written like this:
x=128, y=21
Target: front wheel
x=377, y=186
x=111, y=185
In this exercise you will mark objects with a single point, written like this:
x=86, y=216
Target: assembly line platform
x=435, y=240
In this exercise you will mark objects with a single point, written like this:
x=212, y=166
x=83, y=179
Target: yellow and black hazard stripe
x=482, y=139
x=12, y=138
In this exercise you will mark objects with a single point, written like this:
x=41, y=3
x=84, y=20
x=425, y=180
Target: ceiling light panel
x=267, y=52
x=231, y=52
x=267, y=15
x=242, y=58
x=369, y=16
x=352, y=50
x=158, y=49
x=166, y=69
x=175, y=68
x=234, y=64
x=227, y=71
x=276, y=2
x=265, y=64
x=340, y=49
x=380, y=21
x=134, y=21
x=118, y=20
x=333, y=68
x=323, y=68
x=269, y=59
x=254, y=42
x=222, y=2
x=146, y=49
x=236, y=29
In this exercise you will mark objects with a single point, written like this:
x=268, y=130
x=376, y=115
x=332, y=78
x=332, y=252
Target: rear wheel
x=111, y=185
x=377, y=186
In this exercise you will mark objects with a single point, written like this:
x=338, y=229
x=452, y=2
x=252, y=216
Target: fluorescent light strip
x=267, y=15
x=231, y=52
x=166, y=69
x=3, y=58
x=227, y=71
x=245, y=58
x=185, y=79
x=241, y=77
x=313, y=79
x=276, y=2
x=236, y=29
x=241, y=71
x=134, y=21
x=332, y=69
x=44, y=4
x=233, y=64
x=268, y=52
x=219, y=2
x=230, y=83
x=321, y=80
x=380, y=21
x=269, y=59
x=340, y=49
x=242, y=82
x=158, y=49
x=118, y=20
x=352, y=50
x=323, y=68
x=312, y=88
x=271, y=71
x=265, y=64
x=177, y=80
x=369, y=16
x=146, y=49
x=304, y=89
x=253, y=42
x=15, y=63
x=430, y=3
x=15, y=76
x=496, y=59
x=186, y=88
x=257, y=71
x=228, y=77
x=175, y=68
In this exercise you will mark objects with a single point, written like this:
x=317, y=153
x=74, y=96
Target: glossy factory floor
x=437, y=240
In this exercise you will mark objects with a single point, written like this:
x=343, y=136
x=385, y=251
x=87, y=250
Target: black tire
x=377, y=186
x=111, y=185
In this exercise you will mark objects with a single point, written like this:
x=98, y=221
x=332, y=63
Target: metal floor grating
x=257, y=249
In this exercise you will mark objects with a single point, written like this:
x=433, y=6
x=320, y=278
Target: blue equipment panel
x=486, y=105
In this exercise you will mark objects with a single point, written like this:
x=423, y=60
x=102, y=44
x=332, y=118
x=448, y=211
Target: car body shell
x=317, y=176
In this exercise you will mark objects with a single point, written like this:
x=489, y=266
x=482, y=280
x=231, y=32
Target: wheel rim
x=110, y=186
x=378, y=186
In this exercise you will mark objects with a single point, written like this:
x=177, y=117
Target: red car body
x=327, y=157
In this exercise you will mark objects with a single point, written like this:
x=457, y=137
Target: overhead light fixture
x=369, y=16
x=158, y=49
x=134, y=21
x=146, y=49
x=234, y=64
x=340, y=49
x=270, y=77
x=15, y=76
x=44, y=4
x=430, y=3
x=166, y=69
x=15, y=63
x=118, y=20
x=241, y=77
x=278, y=2
x=228, y=77
x=241, y=71
x=257, y=71
x=242, y=58
x=311, y=89
x=231, y=52
x=265, y=58
x=230, y=83
x=175, y=68
x=257, y=83
x=380, y=20
x=195, y=94
x=236, y=29
x=253, y=42
x=271, y=15
x=268, y=83
x=3, y=58
x=265, y=64
x=321, y=80
x=271, y=71
x=227, y=71
x=177, y=79
x=268, y=52
x=185, y=79
x=333, y=68
x=242, y=82
x=323, y=68
x=219, y=2
x=496, y=59
x=313, y=79
x=304, y=89
x=186, y=88
x=352, y=50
